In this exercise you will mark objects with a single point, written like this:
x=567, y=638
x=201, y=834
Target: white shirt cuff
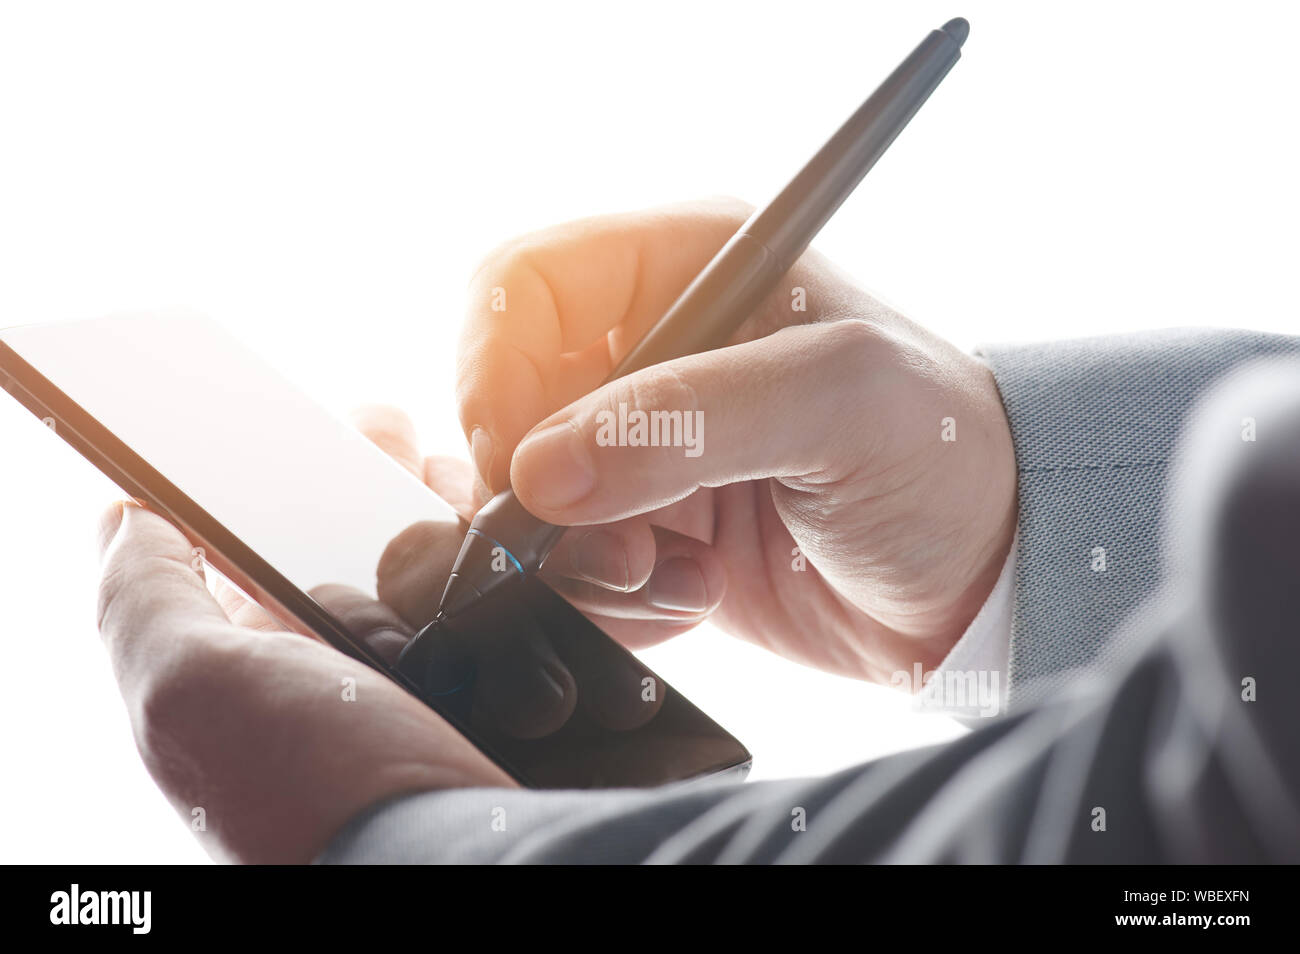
x=971, y=683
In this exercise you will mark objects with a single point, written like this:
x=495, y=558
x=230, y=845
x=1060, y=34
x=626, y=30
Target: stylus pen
x=504, y=539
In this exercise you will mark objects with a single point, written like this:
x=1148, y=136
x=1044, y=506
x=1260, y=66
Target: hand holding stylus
x=728, y=288
x=854, y=497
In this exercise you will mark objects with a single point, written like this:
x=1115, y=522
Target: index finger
x=551, y=313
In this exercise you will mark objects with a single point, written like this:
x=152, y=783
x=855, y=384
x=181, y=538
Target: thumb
x=766, y=408
x=151, y=595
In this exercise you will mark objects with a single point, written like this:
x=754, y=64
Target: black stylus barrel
x=505, y=540
x=751, y=264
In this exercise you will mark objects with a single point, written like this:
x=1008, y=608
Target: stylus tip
x=958, y=29
x=459, y=595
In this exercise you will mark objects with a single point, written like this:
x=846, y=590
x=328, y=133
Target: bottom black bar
x=215, y=903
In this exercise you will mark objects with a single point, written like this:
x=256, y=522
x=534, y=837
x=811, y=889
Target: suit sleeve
x=1092, y=778
x=1095, y=423
x=1160, y=761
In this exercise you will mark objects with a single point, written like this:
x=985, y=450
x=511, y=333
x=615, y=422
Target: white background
x=322, y=177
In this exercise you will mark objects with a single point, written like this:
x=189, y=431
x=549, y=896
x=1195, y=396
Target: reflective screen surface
x=530, y=680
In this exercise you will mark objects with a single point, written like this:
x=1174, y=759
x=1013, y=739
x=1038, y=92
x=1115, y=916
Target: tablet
x=321, y=528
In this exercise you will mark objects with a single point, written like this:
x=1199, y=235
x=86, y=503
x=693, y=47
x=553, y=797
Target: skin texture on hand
x=855, y=496
x=826, y=518
x=276, y=739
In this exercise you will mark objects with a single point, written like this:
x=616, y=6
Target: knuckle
x=111, y=586
x=727, y=207
x=661, y=388
x=854, y=359
x=167, y=699
x=849, y=360
x=119, y=585
x=496, y=258
x=509, y=274
x=644, y=423
x=175, y=698
x=126, y=581
x=851, y=339
x=510, y=266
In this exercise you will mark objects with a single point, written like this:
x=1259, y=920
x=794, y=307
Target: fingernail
x=601, y=558
x=560, y=471
x=678, y=585
x=481, y=449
